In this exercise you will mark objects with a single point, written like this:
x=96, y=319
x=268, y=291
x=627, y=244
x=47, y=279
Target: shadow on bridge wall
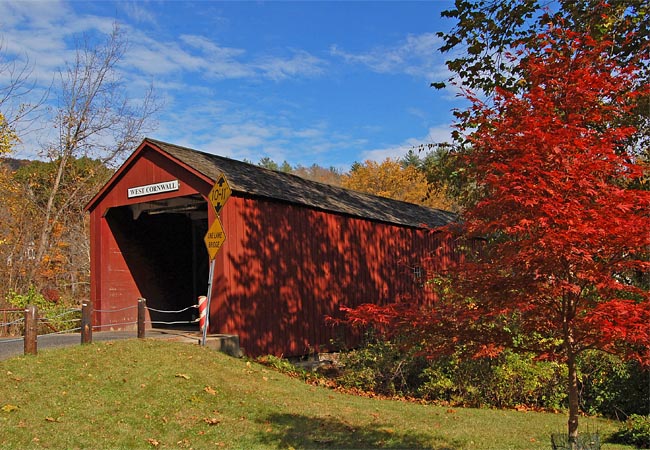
x=285, y=269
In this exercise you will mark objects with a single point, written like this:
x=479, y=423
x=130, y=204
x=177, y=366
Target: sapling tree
x=95, y=119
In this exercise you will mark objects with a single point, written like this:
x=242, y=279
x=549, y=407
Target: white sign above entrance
x=150, y=189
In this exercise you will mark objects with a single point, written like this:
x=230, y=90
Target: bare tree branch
x=95, y=118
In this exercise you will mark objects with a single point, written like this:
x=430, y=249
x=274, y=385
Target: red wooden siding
x=285, y=268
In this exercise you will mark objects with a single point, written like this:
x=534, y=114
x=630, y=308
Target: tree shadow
x=290, y=268
x=300, y=431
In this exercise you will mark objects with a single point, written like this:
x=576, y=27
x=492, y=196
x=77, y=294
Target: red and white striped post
x=203, y=306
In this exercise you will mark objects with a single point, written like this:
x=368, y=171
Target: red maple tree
x=558, y=231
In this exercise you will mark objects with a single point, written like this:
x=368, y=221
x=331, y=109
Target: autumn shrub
x=382, y=367
x=449, y=379
x=507, y=381
x=520, y=380
x=286, y=367
x=634, y=431
x=609, y=386
x=59, y=315
x=612, y=387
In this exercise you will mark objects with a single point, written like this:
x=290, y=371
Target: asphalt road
x=10, y=347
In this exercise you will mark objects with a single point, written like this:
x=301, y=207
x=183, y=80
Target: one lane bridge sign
x=214, y=238
x=220, y=193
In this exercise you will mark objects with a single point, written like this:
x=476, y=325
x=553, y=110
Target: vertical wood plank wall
x=285, y=268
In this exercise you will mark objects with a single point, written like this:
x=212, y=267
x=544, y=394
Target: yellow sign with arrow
x=220, y=193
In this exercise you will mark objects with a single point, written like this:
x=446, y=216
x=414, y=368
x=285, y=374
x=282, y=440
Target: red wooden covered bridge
x=295, y=250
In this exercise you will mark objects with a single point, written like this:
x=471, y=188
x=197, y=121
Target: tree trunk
x=574, y=407
x=46, y=227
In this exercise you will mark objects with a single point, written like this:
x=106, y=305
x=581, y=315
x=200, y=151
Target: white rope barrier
x=96, y=327
x=172, y=312
x=65, y=321
x=69, y=331
x=22, y=319
x=156, y=322
x=114, y=310
x=69, y=311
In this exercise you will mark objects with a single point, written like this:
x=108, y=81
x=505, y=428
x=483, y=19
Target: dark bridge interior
x=162, y=244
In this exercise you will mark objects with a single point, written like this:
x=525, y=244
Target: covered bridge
x=295, y=250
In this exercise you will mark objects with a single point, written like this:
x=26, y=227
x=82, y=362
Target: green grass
x=156, y=394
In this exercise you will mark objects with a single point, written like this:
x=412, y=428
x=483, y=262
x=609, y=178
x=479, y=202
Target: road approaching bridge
x=14, y=346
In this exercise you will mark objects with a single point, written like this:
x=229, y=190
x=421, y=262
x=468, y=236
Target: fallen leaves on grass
x=210, y=390
x=14, y=378
x=183, y=376
x=184, y=443
x=9, y=408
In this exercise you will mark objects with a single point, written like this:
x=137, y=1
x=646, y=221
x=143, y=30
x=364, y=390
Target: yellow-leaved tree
x=393, y=179
x=7, y=136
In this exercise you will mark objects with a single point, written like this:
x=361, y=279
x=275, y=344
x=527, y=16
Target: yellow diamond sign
x=220, y=193
x=214, y=238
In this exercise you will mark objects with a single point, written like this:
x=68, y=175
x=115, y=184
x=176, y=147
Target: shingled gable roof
x=260, y=182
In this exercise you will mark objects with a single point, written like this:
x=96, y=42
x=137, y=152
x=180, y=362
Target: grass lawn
x=156, y=394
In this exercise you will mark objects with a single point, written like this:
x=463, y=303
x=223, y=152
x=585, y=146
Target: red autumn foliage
x=562, y=225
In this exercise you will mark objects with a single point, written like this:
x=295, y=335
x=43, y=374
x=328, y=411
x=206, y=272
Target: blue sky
x=307, y=82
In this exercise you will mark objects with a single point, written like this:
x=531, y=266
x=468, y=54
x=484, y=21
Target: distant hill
x=13, y=163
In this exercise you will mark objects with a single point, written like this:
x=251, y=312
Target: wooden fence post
x=142, y=307
x=86, y=323
x=31, y=330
